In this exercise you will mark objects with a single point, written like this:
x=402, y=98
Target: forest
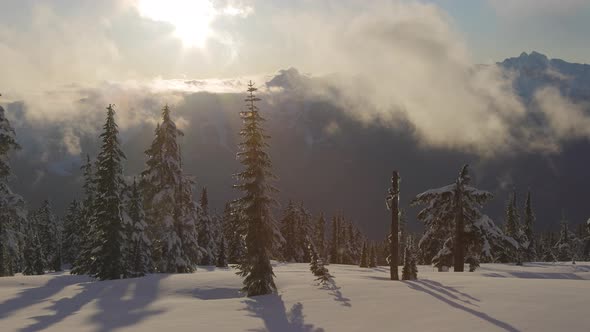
x=158, y=223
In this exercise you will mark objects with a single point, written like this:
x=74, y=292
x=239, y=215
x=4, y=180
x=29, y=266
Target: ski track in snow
x=498, y=297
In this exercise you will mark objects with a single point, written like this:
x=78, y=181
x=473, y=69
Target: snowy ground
x=536, y=297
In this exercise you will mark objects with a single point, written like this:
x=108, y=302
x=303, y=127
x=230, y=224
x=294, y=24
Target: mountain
x=535, y=70
x=325, y=157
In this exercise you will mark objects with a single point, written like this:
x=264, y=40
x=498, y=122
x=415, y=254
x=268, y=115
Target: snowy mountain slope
x=536, y=297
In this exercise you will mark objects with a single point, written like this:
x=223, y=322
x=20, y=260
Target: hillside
x=536, y=297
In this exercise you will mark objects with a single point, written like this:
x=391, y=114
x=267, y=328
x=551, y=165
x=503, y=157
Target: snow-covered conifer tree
x=138, y=249
x=83, y=264
x=206, y=227
x=407, y=269
x=168, y=202
x=234, y=234
x=373, y=257
x=109, y=236
x=34, y=260
x=261, y=229
x=364, y=256
x=453, y=221
x=221, y=260
x=563, y=247
x=513, y=229
x=72, y=237
x=49, y=230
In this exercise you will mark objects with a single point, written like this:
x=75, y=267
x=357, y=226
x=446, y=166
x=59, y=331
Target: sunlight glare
x=191, y=18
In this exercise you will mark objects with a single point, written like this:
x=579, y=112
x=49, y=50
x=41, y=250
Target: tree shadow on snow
x=422, y=287
x=31, y=296
x=271, y=309
x=217, y=293
x=335, y=291
x=121, y=303
x=536, y=275
x=448, y=290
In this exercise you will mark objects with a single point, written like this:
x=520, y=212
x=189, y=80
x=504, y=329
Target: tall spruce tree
x=12, y=206
x=261, y=230
x=138, y=250
x=109, y=238
x=168, y=202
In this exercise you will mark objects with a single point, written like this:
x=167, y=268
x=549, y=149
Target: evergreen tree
x=139, y=259
x=317, y=267
x=313, y=263
x=221, y=258
x=13, y=216
x=512, y=222
x=289, y=225
x=84, y=262
x=320, y=236
x=392, y=202
x=187, y=214
x=407, y=271
x=234, y=232
x=563, y=247
x=530, y=252
x=109, y=238
x=207, y=239
x=453, y=223
x=373, y=258
x=334, y=245
x=303, y=233
x=261, y=230
x=513, y=229
x=34, y=260
x=49, y=230
x=72, y=239
x=402, y=235
x=168, y=202
x=364, y=256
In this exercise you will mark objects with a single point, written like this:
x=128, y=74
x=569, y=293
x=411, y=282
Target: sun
x=191, y=18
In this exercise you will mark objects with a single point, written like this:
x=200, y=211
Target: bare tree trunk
x=458, y=246
x=393, y=243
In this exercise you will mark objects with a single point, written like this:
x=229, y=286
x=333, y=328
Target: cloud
x=395, y=63
x=534, y=8
x=406, y=58
x=567, y=120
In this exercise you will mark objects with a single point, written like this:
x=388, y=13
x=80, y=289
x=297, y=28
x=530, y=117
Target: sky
x=64, y=40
